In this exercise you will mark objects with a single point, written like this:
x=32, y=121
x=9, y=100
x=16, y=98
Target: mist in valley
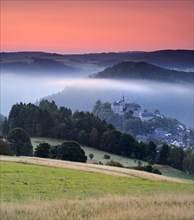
x=81, y=93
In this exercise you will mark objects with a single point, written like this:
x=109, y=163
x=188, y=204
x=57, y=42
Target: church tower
x=123, y=102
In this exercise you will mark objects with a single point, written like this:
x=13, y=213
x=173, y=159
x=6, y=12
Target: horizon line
x=87, y=53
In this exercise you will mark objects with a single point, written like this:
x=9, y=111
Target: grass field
x=31, y=191
x=99, y=157
x=98, y=154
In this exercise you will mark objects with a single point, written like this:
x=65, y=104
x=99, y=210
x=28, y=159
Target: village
x=180, y=136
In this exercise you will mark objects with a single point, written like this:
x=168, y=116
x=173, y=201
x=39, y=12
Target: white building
x=119, y=106
x=146, y=116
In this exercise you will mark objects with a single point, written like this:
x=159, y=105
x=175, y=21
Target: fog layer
x=174, y=100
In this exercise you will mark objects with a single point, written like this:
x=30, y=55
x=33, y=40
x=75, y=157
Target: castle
x=120, y=107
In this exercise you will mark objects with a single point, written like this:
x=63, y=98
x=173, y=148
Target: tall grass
x=109, y=207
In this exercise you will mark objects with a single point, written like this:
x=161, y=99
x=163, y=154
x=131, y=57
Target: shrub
x=148, y=168
x=42, y=150
x=91, y=156
x=5, y=148
x=156, y=171
x=69, y=150
x=107, y=156
x=114, y=163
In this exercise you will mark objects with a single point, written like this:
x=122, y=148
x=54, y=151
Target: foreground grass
x=21, y=182
x=43, y=192
x=110, y=207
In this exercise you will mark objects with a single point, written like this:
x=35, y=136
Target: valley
x=96, y=110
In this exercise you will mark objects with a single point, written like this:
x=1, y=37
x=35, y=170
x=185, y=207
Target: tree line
x=47, y=120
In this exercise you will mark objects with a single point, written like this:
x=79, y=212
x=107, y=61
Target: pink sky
x=85, y=26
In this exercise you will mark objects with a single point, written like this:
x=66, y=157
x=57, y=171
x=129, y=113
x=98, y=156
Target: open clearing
x=36, y=188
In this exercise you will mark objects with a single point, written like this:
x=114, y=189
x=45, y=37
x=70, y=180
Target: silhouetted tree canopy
x=20, y=141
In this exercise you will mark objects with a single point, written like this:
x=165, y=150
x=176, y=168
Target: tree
x=176, y=157
x=97, y=107
x=188, y=162
x=42, y=150
x=82, y=137
x=151, y=151
x=94, y=137
x=5, y=129
x=71, y=150
x=163, y=157
x=20, y=142
x=91, y=156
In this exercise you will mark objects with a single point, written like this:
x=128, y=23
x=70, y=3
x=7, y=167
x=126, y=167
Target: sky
x=96, y=26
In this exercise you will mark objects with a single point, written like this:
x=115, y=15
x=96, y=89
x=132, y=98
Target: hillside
x=172, y=59
x=144, y=71
x=125, y=161
x=37, y=65
x=159, y=128
x=46, y=63
x=178, y=59
x=81, y=191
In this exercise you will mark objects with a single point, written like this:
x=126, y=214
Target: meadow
x=34, y=188
x=127, y=162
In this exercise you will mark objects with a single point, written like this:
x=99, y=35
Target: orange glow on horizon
x=85, y=26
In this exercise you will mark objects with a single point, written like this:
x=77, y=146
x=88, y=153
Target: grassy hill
x=35, y=188
x=144, y=71
x=127, y=162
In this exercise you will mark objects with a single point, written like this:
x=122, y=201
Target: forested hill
x=145, y=71
x=47, y=120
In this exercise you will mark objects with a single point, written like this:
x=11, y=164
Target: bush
x=107, y=156
x=148, y=168
x=91, y=156
x=156, y=171
x=53, y=153
x=42, y=150
x=114, y=163
x=5, y=148
x=69, y=150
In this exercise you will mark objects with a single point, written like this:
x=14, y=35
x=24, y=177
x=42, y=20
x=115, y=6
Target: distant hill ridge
x=36, y=64
x=145, y=71
x=179, y=59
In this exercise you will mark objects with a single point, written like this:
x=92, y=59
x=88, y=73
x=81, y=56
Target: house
x=146, y=116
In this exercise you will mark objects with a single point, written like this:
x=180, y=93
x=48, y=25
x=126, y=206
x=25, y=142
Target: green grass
x=98, y=154
x=21, y=182
x=127, y=162
x=171, y=172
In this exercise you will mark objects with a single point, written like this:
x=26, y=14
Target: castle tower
x=123, y=102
